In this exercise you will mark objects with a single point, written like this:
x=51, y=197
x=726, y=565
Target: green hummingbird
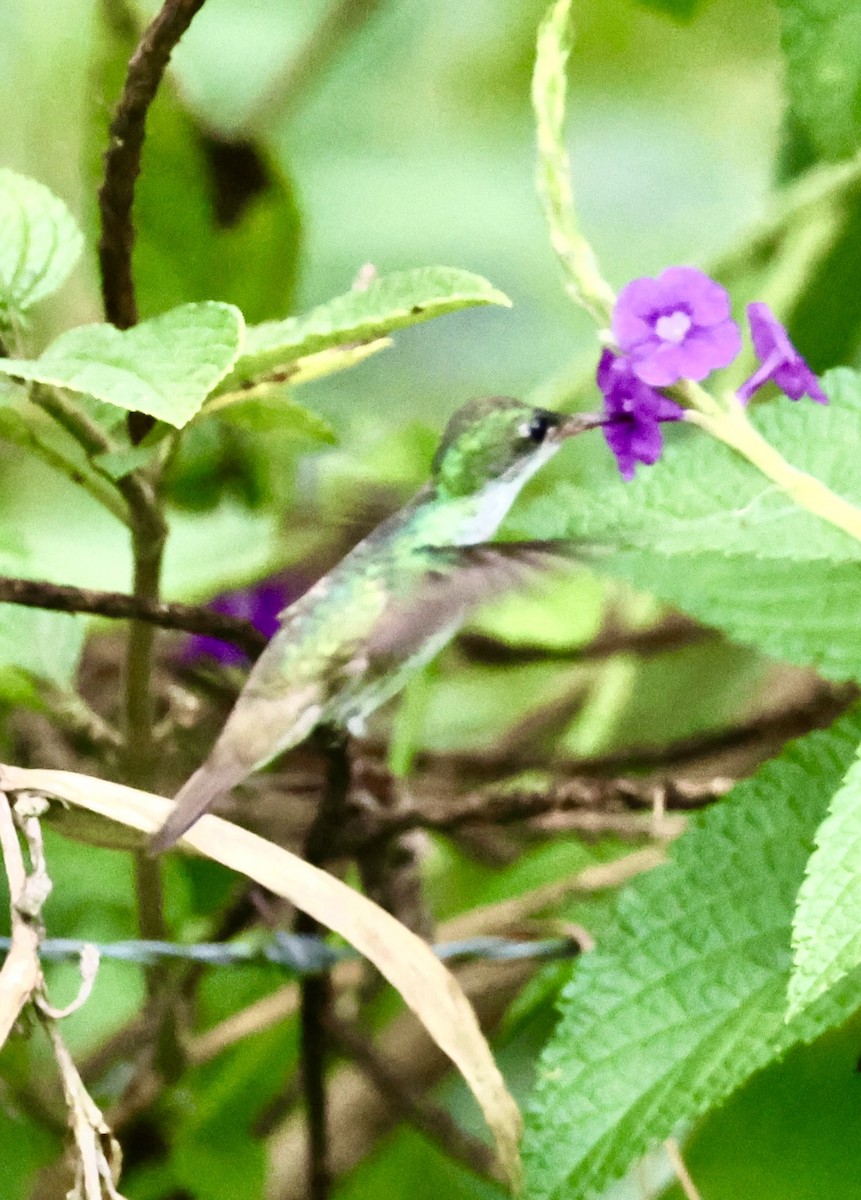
x=353, y=639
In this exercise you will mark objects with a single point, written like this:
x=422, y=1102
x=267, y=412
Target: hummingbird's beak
x=578, y=423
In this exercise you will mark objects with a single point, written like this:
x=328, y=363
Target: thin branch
x=123, y=157
x=673, y=633
x=408, y=1103
x=591, y=806
x=189, y=618
x=75, y=717
x=102, y=492
x=316, y=992
x=815, y=711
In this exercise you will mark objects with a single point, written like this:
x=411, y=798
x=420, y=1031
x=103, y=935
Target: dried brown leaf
x=405, y=960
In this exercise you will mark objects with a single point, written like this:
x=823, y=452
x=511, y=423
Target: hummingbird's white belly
x=491, y=504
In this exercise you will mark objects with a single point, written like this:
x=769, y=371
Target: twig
x=315, y=993
x=123, y=157
x=359, y=1115
x=21, y=973
x=314, y=997
x=591, y=806
x=683, y=1175
x=491, y=919
x=408, y=1104
x=189, y=618
x=507, y=916
x=148, y=529
x=390, y=865
x=75, y=717
x=98, y=1162
x=98, y=1155
x=673, y=633
x=815, y=711
x=98, y=488
x=149, y=533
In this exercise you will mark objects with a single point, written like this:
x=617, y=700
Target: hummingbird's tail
x=209, y=783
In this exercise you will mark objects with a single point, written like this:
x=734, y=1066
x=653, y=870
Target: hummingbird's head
x=497, y=438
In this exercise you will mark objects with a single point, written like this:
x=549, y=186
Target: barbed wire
x=300, y=954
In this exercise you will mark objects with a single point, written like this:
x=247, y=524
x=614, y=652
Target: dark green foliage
x=685, y=998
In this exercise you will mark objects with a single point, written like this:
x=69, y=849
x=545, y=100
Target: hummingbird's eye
x=539, y=426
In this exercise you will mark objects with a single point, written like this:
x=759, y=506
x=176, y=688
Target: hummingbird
x=388, y=607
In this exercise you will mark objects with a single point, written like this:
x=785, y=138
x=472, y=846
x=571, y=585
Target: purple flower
x=633, y=412
x=260, y=605
x=779, y=360
x=675, y=327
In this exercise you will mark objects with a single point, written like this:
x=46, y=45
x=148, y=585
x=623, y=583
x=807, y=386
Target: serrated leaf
x=798, y=612
x=685, y=998
x=165, y=367
x=704, y=531
x=39, y=242
x=45, y=645
x=821, y=41
x=826, y=933
x=392, y=302
x=703, y=496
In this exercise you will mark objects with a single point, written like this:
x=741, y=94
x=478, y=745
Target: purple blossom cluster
x=259, y=604
x=675, y=327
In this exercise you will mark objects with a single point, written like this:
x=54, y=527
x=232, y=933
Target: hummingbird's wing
x=457, y=580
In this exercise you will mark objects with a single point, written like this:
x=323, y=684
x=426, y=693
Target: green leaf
x=392, y=302
x=797, y=612
x=703, y=496
x=826, y=931
x=39, y=242
x=277, y=413
x=119, y=463
x=681, y=10
x=45, y=645
x=685, y=998
x=165, y=367
x=821, y=41
x=704, y=531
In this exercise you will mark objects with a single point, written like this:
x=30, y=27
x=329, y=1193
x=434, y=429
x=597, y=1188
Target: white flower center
x=673, y=327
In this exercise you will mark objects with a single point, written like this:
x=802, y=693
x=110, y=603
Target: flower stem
x=584, y=281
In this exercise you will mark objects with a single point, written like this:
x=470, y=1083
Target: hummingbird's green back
x=353, y=639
